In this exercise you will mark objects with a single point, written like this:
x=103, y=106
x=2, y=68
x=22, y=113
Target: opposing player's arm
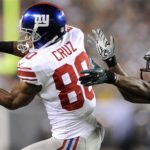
x=21, y=95
x=106, y=50
x=133, y=89
x=10, y=47
x=118, y=69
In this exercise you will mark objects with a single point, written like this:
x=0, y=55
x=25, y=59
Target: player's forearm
x=118, y=69
x=6, y=99
x=21, y=95
x=133, y=89
x=10, y=47
x=14, y=100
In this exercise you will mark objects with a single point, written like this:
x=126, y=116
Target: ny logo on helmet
x=42, y=20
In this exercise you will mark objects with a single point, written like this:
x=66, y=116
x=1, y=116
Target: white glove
x=98, y=41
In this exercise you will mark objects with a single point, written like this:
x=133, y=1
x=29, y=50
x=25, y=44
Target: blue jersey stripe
x=70, y=143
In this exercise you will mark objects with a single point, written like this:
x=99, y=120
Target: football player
x=133, y=89
x=53, y=57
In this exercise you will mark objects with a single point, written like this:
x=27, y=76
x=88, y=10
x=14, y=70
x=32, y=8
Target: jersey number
x=66, y=79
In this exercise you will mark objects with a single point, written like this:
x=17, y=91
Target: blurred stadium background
x=127, y=125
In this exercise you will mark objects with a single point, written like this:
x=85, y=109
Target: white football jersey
x=69, y=104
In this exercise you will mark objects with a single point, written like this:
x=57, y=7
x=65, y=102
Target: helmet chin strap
x=54, y=40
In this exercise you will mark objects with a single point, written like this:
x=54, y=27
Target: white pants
x=92, y=142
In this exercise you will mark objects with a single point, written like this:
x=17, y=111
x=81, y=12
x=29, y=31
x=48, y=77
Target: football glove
x=97, y=75
x=105, y=49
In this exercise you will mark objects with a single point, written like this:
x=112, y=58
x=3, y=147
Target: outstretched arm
x=133, y=89
x=10, y=47
x=21, y=95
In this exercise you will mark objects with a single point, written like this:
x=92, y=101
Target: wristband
x=6, y=47
x=111, y=62
x=111, y=77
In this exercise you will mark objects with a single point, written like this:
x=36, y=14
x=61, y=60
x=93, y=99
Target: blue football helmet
x=145, y=70
x=41, y=24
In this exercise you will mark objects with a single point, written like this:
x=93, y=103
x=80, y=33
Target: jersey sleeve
x=32, y=74
x=26, y=74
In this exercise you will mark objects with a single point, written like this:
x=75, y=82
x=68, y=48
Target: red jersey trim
x=26, y=73
x=63, y=145
x=76, y=143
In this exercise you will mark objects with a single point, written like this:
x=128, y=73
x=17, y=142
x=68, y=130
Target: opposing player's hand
x=106, y=49
x=97, y=75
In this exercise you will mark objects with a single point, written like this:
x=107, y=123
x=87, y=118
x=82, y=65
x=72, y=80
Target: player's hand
x=105, y=48
x=97, y=75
